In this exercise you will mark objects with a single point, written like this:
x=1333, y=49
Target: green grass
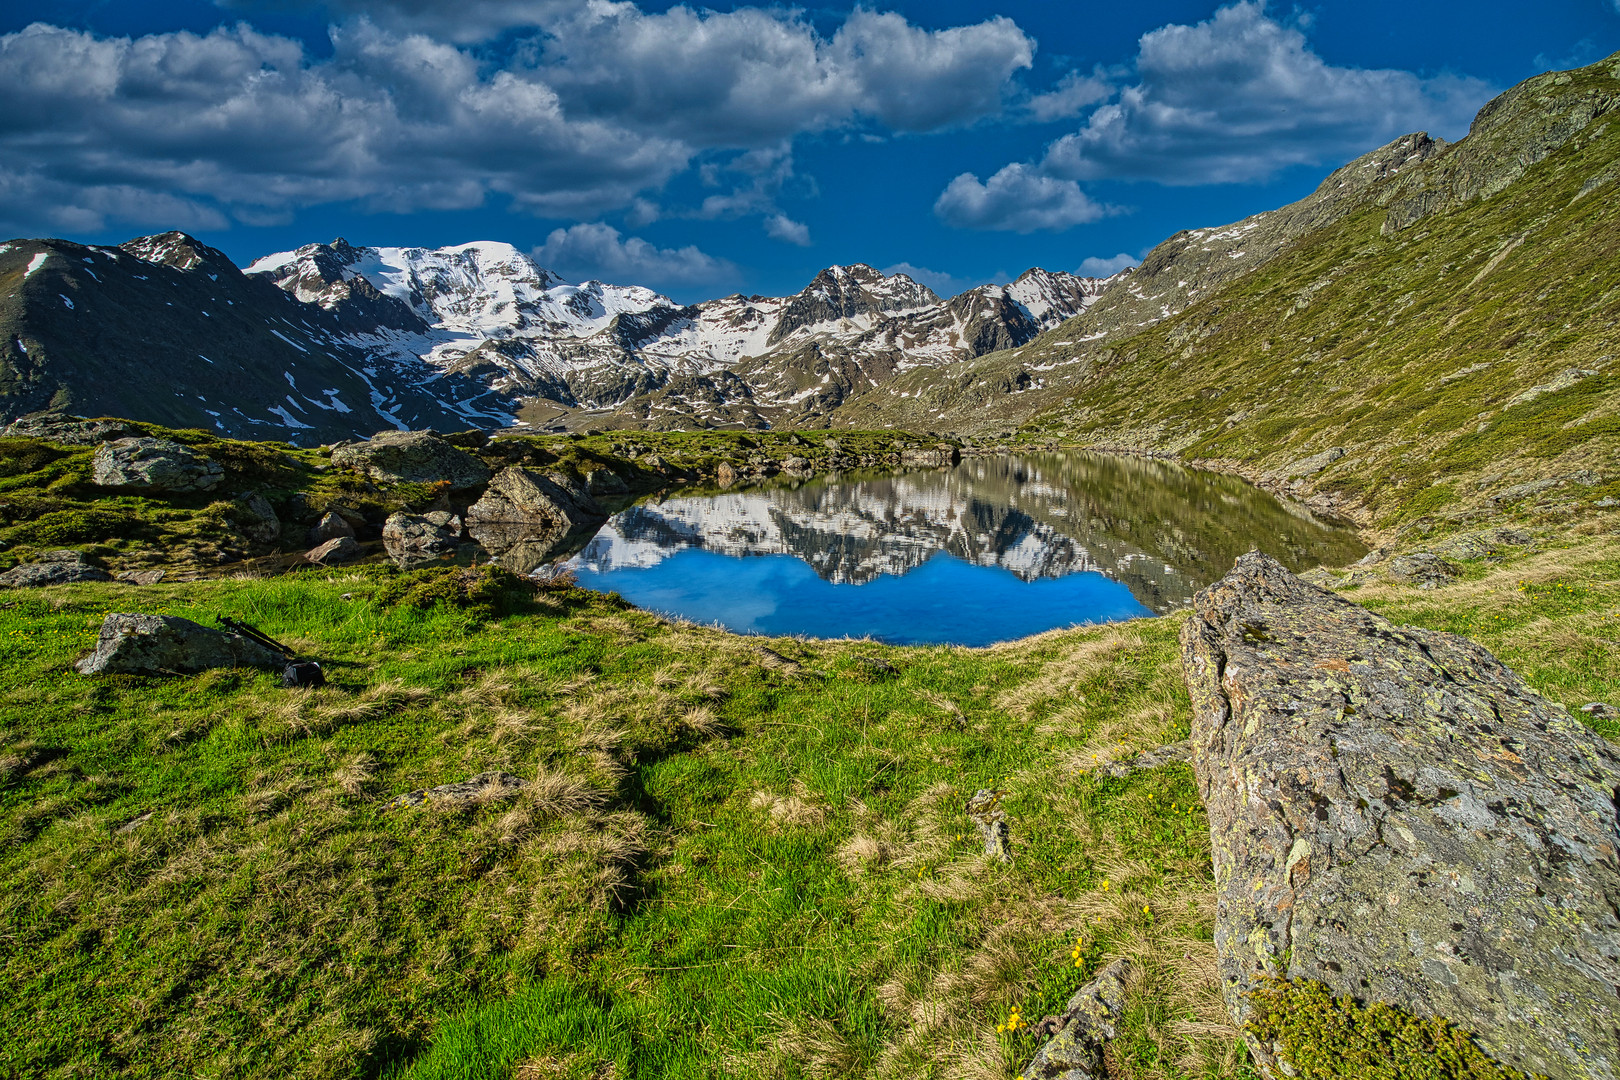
x=768, y=865
x=722, y=868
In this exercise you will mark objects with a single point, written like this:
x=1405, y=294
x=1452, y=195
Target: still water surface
x=990, y=550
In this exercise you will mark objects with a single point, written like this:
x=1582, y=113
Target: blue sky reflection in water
x=993, y=549
x=943, y=600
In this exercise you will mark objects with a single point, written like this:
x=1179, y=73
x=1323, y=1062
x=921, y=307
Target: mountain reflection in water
x=1159, y=530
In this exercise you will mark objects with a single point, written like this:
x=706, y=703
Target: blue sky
x=704, y=151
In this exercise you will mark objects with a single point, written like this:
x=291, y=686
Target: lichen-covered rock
x=1075, y=1050
x=53, y=568
x=606, y=482
x=414, y=540
x=1478, y=545
x=526, y=517
x=132, y=644
x=984, y=809
x=1424, y=569
x=415, y=457
x=1396, y=815
x=155, y=465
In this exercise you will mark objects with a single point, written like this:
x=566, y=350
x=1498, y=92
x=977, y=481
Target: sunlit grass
x=719, y=868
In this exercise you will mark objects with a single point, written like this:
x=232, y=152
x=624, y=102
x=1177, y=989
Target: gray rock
x=797, y=464
x=1169, y=754
x=606, y=482
x=414, y=540
x=53, y=568
x=1314, y=464
x=332, y=526
x=485, y=787
x=1088, y=1022
x=1421, y=568
x=1599, y=710
x=155, y=465
x=71, y=430
x=257, y=518
x=725, y=475
x=342, y=549
x=416, y=457
x=132, y=644
x=526, y=517
x=984, y=809
x=1521, y=491
x=142, y=577
x=1395, y=814
x=1477, y=545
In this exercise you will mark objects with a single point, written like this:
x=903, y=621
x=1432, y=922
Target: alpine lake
x=989, y=550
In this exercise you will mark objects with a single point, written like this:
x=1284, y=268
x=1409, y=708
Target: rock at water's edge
x=414, y=540
x=1395, y=814
x=343, y=549
x=132, y=644
x=526, y=516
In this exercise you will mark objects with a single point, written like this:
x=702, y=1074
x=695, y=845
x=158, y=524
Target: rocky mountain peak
x=179, y=250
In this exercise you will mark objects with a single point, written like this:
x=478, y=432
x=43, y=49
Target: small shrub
x=1328, y=1038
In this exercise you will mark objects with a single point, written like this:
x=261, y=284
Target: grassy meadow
x=733, y=857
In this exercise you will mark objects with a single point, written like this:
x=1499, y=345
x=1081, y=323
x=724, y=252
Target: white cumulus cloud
x=579, y=109
x=1017, y=198
x=1096, y=266
x=597, y=251
x=1240, y=96
x=783, y=228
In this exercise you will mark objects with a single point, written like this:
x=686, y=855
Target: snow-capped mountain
x=334, y=341
x=613, y=354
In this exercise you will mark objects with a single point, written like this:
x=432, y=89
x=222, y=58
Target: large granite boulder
x=527, y=517
x=155, y=465
x=414, y=540
x=416, y=457
x=1398, y=816
x=53, y=568
x=132, y=644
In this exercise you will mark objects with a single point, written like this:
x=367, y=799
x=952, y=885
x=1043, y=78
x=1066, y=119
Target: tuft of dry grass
x=796, y=810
